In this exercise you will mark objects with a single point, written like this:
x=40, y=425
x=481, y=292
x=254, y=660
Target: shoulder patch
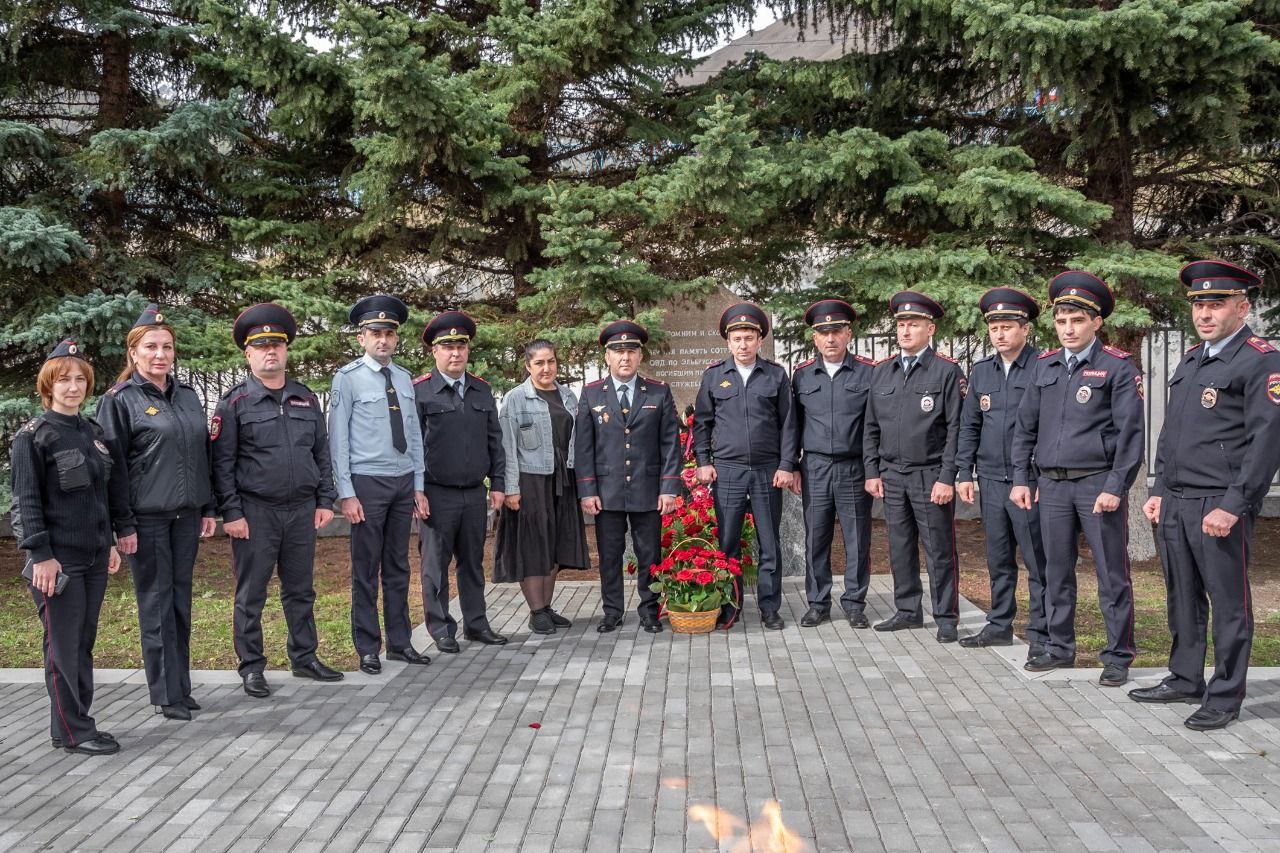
x=862, y=359
x=1260, y=344
x=1116, y=351
x=423, y=378
x=1049, y=353
x=946, y=358
x=805, y=363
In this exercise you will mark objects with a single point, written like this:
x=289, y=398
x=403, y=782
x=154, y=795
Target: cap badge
x=926, y=404
x=828, y=318
x=266, y=328
x=999, y=306
x=453, y=331
x=1073, y=292
x=1209, y=398
x=1083, y=394
x=984, y=403
x=906, y=306
x=72, y=348
x=382, y=315
x=159, y=317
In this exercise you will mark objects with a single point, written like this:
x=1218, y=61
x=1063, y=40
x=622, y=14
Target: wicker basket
x=693, y=623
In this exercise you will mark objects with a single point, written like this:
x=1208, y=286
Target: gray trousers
x=911, y=517
x=380, y=548
x=1008, y=529
x=832, y=488
x=455, y=529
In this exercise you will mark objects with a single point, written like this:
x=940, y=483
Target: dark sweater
x=70, y=490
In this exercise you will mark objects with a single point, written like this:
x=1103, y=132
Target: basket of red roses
x=695, y=580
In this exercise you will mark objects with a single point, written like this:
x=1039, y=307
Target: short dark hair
x=536, y=345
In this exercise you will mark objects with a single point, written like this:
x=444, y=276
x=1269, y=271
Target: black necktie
x=397, y=421
x=1071, y=365
x=626, y=401
x=459, y=388
x=911, y=362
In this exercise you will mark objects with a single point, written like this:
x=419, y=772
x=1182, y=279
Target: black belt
x=1071, y=473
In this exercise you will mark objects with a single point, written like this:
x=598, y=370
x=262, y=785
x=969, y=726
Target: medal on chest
x=926, y=403
x=984, y=402
x=150, y=410
x=1209, y=397
x=1083, y=394
x=102, y=448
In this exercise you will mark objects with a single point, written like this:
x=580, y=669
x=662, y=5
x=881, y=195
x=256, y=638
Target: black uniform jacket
x=165, y=440
x=751, y=427
x=913, y=421
x=1090, y=422
x=276, y=453
x=989, y=415
x=1221, y=432
x=627, y=460
x=830, y=409
x=461, y=439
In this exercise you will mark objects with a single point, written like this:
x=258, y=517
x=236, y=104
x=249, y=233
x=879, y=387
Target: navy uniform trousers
x=380, y=547
x=738, y=490
x=162, y=570
x=455, y=528
x=646, y=538
x=282, y=539
x=913, y=518
x=831, y=488
x=1198, y=563
x=1009, y=529
x=70, y=621
x=1066, y=510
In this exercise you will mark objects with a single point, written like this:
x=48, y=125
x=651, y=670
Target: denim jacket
x=526, y=432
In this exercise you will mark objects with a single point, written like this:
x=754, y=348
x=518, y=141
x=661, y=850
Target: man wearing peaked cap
x=1080, y=424
x=831, y=401
x=376, y=445
x=909, y=448
x=1218, y=451
x=627, y=467
x=996, y=386
x=274, y=486
x=744, y=436
x=462, y=442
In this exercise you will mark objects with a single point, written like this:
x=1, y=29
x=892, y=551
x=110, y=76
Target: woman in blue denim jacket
x=540, y=529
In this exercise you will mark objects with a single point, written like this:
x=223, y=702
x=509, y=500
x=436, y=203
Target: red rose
x=735, y=569
x=705, y=578
x=667, y=538
x=699, y=561
x=631, y=568
x=684, y=575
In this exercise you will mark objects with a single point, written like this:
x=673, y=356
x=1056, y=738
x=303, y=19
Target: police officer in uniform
x=909, y=444
x=376, y=445
x=831, y=401
x=628, y=463
x=274, y=486
x=463, y=445
x=1218, y=450
x=744, y=437
x=990, y=411
x=1081, y=423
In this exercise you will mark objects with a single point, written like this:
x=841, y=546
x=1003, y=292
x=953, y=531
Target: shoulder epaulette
x=947, y=358
x=115, y=389
x=231, y=401
x=349, y=366
x=862, y=359
x=423, y=378
x=885, y=360
x=1049, y=353
x=33, y=424
x=717, y=363
x=477, y=378
x=597, y=382
x=651, y=381
x=1194, y=347
x=805, y=363
x=1116, y=351
x=1260, y=344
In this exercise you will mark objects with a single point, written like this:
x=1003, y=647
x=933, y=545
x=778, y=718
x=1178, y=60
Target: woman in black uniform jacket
x=162, y=430
x=70, y=492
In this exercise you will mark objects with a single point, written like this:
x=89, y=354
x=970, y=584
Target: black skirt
x=546, y=533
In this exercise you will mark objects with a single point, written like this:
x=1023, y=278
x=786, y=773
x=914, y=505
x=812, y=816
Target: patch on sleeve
x=1260, y=344
x=1137, y=382
x=215, y=427
x=1273, y=388
x=964, y=387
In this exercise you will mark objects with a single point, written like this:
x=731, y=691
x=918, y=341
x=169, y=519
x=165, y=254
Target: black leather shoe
x=1114, y=675
x=609, y=623
x=771, y=620
x=1162, y=693
x=192, y=705
x=317, y=671
x=174, y=712
x=447, y=645
x=1046, y=662
x=556, y=619
x=102, y=746
x=651, y=624
x=255, y=684
x=1207, y=719
x=486, y=636
x=370, y=665
x=540, y=622
x=858, y=619
x=1034, y=652
x=56, y=742
x=408, y=655
x=900, y=622
x=984, y=639
x=947, y=634
x=813, y=617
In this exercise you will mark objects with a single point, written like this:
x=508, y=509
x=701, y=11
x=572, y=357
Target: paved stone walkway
x=864, y=742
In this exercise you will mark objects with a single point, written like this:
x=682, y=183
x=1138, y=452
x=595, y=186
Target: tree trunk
x=113, y=111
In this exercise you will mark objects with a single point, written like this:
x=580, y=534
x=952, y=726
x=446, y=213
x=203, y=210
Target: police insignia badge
x=964, y=387
x=926, y=404
x=604, y=417
x=597, y=409
x=102, y=448
x=151, y=410
x=1137, y=382
x=1273, y=388
x=1083, y=394
x=215, y=427
x=984, y=403
x=1209, y=397
x=725, y=384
